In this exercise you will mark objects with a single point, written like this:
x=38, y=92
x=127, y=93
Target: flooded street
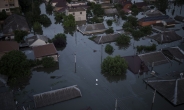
x=130, y=90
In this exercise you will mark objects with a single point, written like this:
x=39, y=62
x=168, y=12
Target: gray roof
x=175, y=52
x=110, y=11
x=7, y=101
x=154, y=18
x=154, y=58
x=55, y=96
x=76, y=9
x=179, y=18
x=166, y=37
x=153, y=13
x=170, y=86
x=32, y=39
x=92, y=28
x=106, y=38
x=15, y=22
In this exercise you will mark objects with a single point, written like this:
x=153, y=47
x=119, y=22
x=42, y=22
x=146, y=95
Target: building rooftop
x=141, y=4
x=151, y=13
x=32, y=39
x=106, y=38
x=76, y=9
x=55, y=96
x=179, y=18
x=44, y=50
x=154, y=58
x=154, y=18
x=175, y=52
x=110, y=11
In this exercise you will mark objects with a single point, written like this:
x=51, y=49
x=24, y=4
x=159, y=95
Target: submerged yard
x=98, y=91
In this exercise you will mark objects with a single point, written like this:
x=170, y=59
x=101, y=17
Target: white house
x=8, y=4
x=79, y=13
x=37, y=40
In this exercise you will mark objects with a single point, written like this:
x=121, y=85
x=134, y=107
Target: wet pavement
x=129, y=90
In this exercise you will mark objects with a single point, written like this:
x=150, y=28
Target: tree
x=59, y=40
x=114, y=66
x=19, y=35
x=127, y=26
x=132, y=20
x=45, y=20
x=109, y=31
x=109, y=22
x=162, y=4
x=137, y=34
x=69, y=21
x=123, y=40
x=146, y=30
x=3, y=15
x=37, y=28
x=58, y=17
x=49, y=8
x=109, y=49
x=97, y=10
x=48, y=62
x=14, y=65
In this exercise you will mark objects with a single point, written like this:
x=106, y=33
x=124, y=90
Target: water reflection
x=116, y=79
x=47, y=70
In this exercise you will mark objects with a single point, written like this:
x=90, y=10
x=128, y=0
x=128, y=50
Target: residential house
x=168, y=22
x=150, y=13
x=146, y=21
x=79, y=13
x=14, y=22
x=7, y=46
x=92, y=28
x=37, y=40
x=59, y=5
x=47, y=50
x=141, y=5
x=179, y=18
x=8, y=4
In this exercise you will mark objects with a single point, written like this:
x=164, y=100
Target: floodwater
x=129, y=90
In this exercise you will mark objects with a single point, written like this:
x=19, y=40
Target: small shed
x=170, y=86
x=166, y=37
x=106, y=38
x=179, y=18
x=174, y=53
x=135, y=64
x=154, y=58
x=7, y=101
x=55, y=96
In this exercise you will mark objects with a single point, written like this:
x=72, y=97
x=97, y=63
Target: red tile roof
x=44, y=50
x=6, y=46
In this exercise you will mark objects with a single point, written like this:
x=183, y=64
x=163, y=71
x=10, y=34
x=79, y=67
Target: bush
x=109, y=22
x=123, y=40
x=109, y=31
x=146, y=48
x=48, y=62
x=114, y=66
x=109, y=49
x=19, y=35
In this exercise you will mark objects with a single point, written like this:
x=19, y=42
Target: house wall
x=38, y=42
x=54, y=56
x=79, y=15
x=148, y=23
x=7, y=4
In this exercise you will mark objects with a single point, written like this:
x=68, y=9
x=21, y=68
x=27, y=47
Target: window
x=80, y=12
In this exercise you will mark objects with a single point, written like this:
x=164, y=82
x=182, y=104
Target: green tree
x=127, y=26
x=49, y=8
x=114, y=66
x=97, y=10
x=109, y=22
x=109, y=31
x=3, y=15
x=14, y=64
x=19, y=35
x=58, y=17
x=69, y=21
x=132, y=20
x=48, y=62
x=123, y=40
x=109, y=49
x=59, y=40
x=37, y=28
x=137, y=34
x=45, y=20
x=162, y=4
x=146, y=30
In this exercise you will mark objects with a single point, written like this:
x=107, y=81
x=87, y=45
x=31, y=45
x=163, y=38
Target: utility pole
x=101, y=52
x=75, y=62
x=116, y=104
x=153, y=99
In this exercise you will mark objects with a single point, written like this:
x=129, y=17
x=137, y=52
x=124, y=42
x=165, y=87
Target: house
x=59, y=5
x=106, y=38
x=111, y=11
x=79, y=13
x=141, y=5
x=14, y=22
x=127, y=11
x=146, y=21
x=6, y=46
x=174, y=53
x=179, y=18
x=166, y=37
x=76, y=3
x=92, y=28
x=168, y=22
x=47, y=50
x=37, y=40
x=8, y=4
x=151, y=13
